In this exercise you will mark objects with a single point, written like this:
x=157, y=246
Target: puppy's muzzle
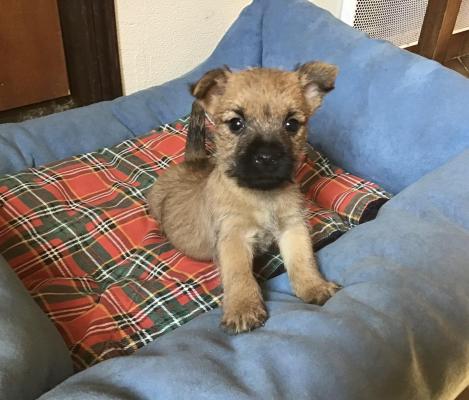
x=263, y=165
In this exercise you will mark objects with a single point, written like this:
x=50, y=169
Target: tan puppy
x=235, y=204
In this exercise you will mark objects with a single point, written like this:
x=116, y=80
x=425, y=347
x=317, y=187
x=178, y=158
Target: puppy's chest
x=266, y=231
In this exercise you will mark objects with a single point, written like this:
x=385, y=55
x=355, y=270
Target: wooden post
x=437, y=28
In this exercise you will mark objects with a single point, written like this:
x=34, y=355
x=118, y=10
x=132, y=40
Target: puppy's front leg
x=243, y=307
x=297, y=253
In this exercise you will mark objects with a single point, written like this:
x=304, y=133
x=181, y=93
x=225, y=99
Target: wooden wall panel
x=32, y=61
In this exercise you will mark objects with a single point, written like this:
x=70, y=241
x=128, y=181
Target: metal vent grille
x=398, y=21
x=462, y=23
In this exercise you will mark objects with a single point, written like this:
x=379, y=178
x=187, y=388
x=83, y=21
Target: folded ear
x=210, y=86
x=317, y=79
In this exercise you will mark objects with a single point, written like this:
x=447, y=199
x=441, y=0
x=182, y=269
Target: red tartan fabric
x=78, y=234
x=353, y=199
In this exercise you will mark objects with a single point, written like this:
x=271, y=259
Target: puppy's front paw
x=317, y=292
x=243, y=317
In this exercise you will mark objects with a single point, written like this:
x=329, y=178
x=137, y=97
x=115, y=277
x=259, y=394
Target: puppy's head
x=260, y=118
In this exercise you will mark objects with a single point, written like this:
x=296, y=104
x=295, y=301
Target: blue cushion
x=240, y=48
x=393, y=117
x=43, y=140
x=33, y=356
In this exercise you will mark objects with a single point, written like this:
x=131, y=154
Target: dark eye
x=292, y=125
x=236, y=125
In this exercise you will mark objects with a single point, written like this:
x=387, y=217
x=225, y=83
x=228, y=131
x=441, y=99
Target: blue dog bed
x=399, y=329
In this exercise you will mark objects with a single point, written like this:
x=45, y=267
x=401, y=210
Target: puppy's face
x=261, y=116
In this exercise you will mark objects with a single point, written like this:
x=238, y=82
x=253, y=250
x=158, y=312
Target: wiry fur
x=231, y=206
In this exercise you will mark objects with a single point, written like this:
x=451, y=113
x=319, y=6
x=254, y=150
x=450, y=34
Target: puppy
x=237, y=203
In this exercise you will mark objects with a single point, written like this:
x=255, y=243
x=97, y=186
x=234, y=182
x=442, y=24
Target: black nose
x=265, y=158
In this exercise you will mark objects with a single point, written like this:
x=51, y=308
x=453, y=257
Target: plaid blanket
x=78, y=234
